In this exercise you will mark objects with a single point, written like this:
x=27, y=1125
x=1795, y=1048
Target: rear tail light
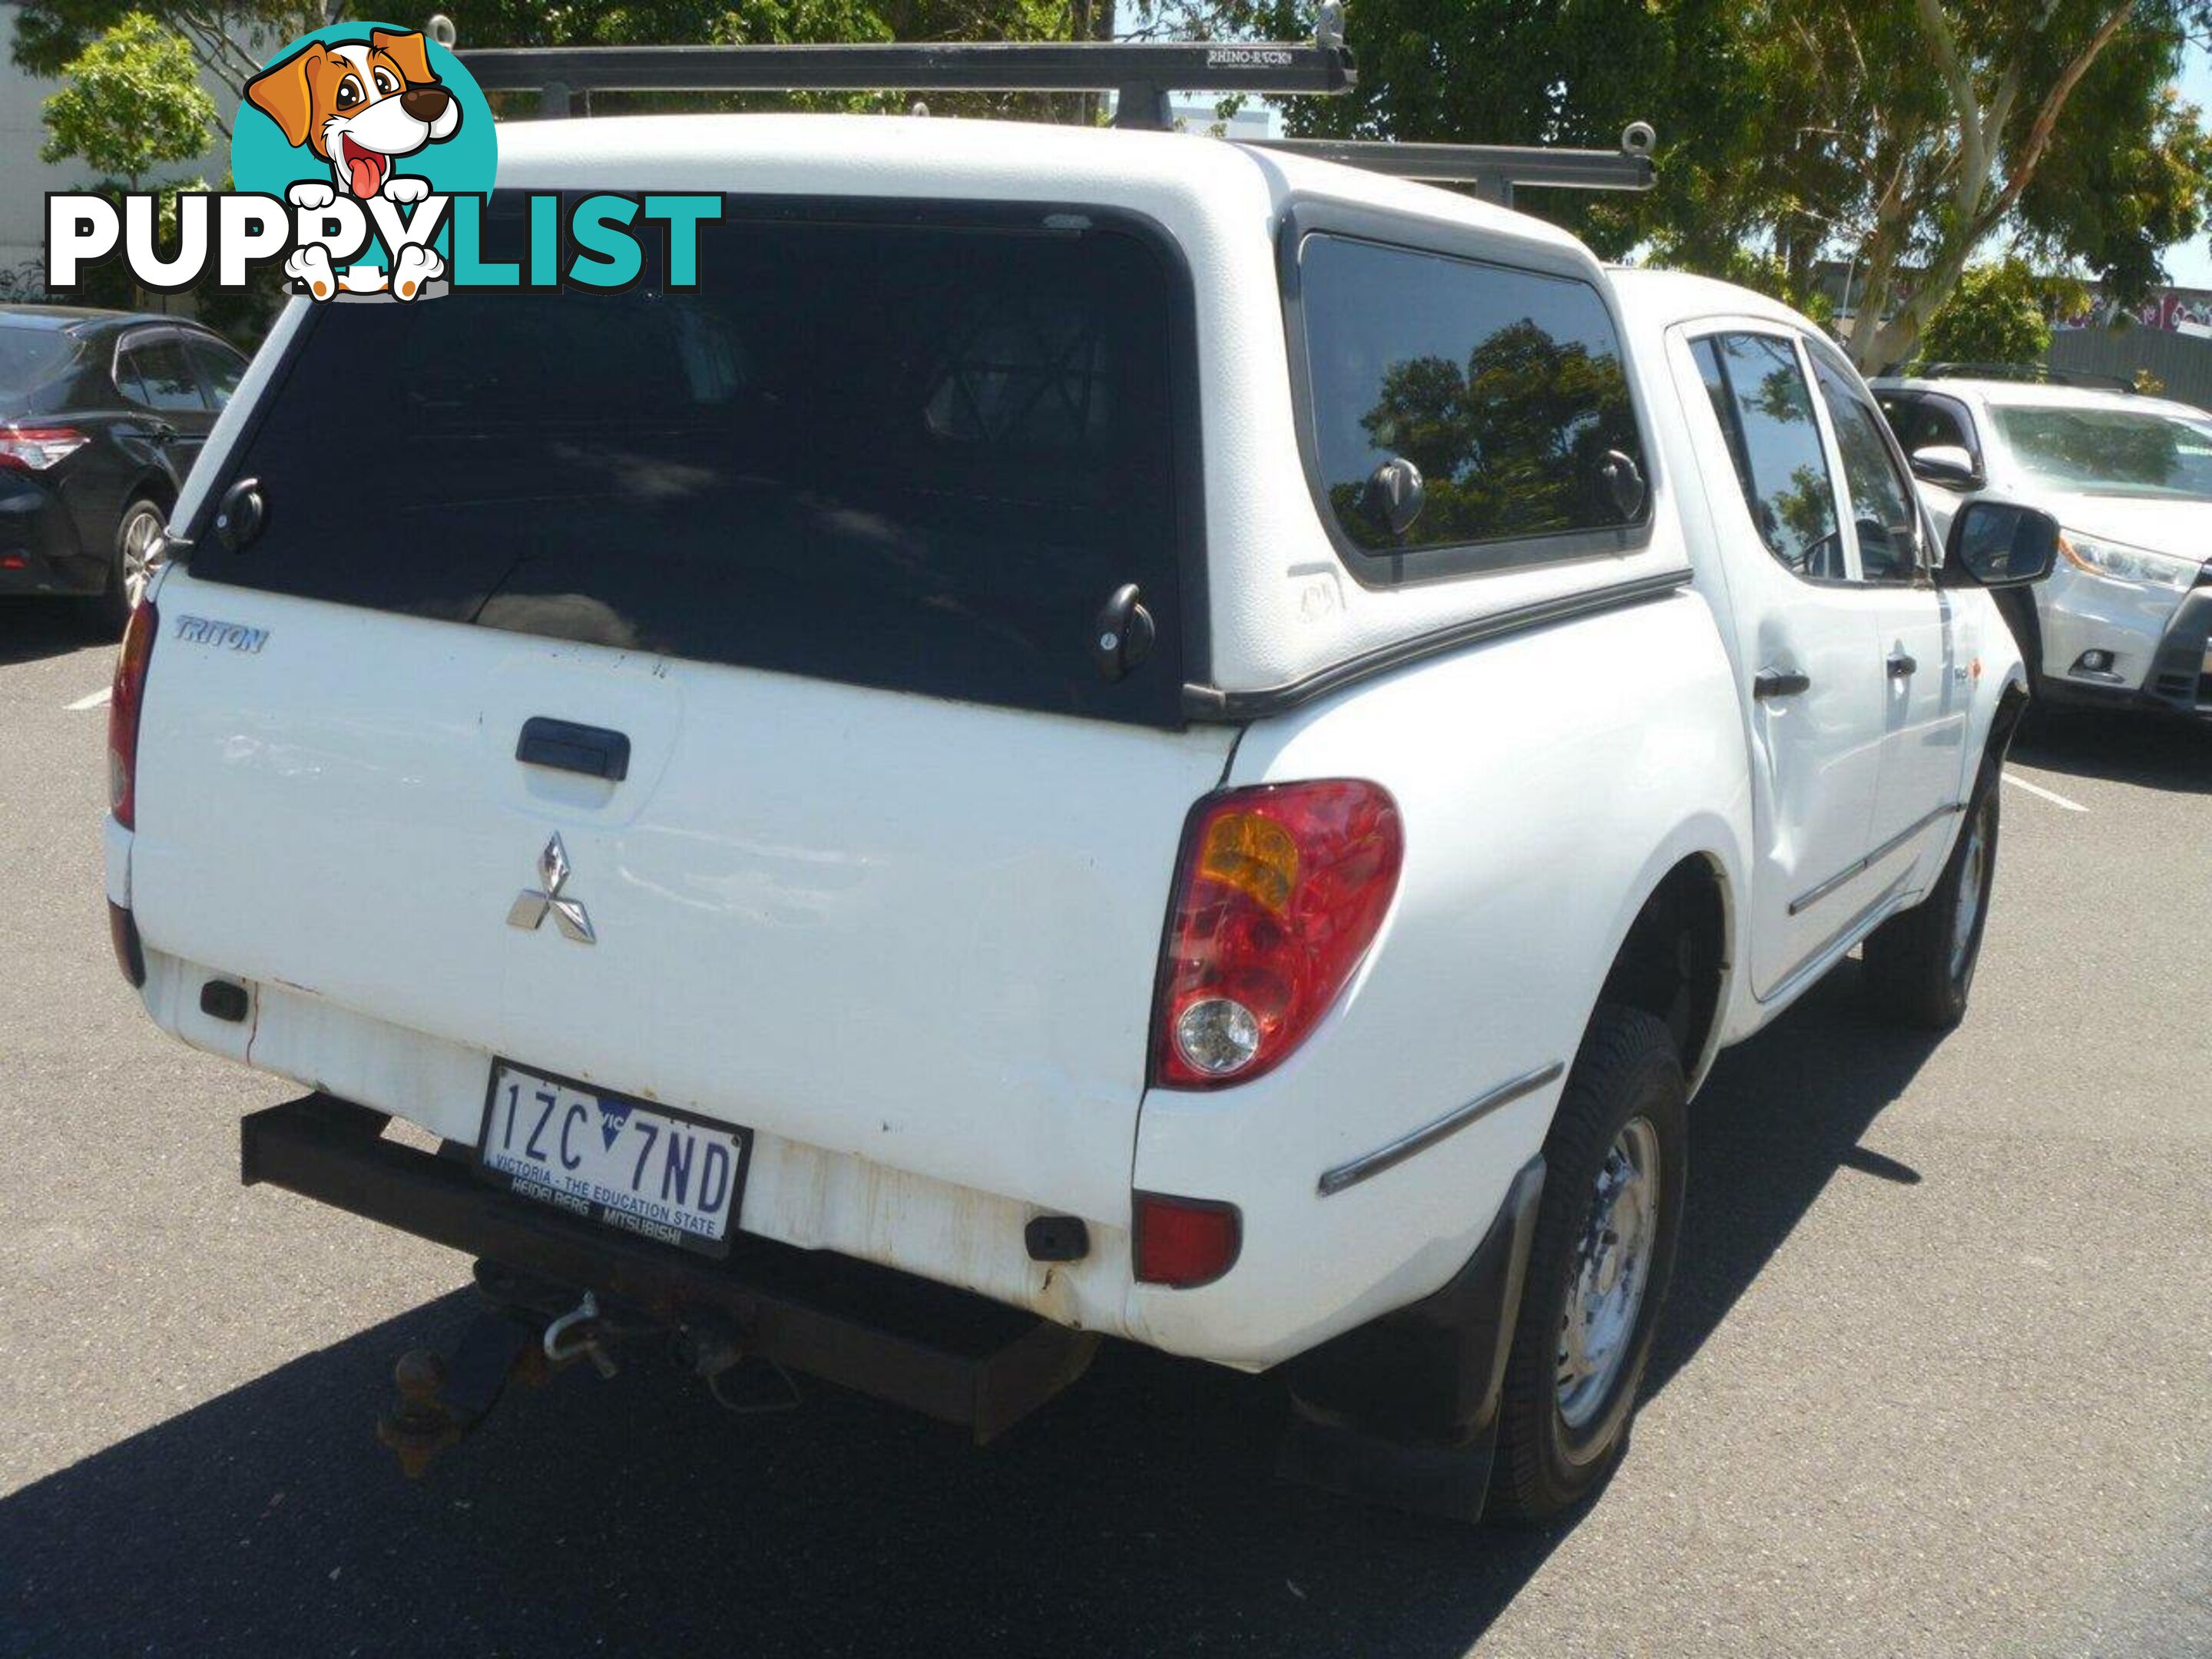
x=35, y=448
x=1185, y=1241
x=123, y=708
x=1280, y=891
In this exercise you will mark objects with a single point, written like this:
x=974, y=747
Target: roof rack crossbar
x=1143, y=73
x=1495, y=170
x=2031, y=373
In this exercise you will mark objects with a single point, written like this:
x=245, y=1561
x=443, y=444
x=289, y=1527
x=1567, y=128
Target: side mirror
x=1998, y=545
x=1947, y=465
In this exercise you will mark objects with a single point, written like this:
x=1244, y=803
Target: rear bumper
x=946, y=1353
x=38, y=550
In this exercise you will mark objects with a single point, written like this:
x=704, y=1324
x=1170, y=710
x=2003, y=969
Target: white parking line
x=92, y=702
x=2050, y=795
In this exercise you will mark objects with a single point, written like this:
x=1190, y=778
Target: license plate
x=663, y=1174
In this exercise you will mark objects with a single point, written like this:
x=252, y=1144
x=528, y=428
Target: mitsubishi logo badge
x=569, y=914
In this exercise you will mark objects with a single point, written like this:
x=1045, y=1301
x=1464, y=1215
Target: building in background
x=25, y=179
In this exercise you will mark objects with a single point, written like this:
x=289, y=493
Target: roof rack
x=1494, y=170
x=2029, y=373
x=1141, y=74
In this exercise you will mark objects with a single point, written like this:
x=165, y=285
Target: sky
x=2190, y=263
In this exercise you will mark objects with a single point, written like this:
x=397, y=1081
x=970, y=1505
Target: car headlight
x=2128, y=564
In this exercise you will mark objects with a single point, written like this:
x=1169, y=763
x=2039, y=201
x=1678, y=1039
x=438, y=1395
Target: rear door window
x=220, y=368
x=1765, y=409
x=157, y=374
x=1505, y=387
x=917, y=455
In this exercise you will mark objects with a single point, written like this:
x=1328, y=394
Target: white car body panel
x=1513, y=901
x=822, y=911
x=912, y=942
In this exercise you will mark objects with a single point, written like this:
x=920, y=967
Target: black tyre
x=1919, y=966
x=131, y=565
x=1615, y=1163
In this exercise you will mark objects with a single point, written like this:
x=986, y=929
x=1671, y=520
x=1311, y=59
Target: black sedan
x=102, y=413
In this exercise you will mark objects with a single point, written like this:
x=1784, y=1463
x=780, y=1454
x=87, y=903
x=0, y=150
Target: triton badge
x=569, y=914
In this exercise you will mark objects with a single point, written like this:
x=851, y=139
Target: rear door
x=156, y=375
x=819, y=549
x=1805, y=636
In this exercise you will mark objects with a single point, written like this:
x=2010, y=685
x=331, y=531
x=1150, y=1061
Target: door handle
x=565, y=746
x=1770, y=682
x=1902, y=666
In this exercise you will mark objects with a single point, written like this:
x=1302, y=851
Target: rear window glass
x=1505, y=387
x=918, y=456
x=30, y=357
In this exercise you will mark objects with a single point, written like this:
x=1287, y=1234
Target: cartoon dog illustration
x=360, y=107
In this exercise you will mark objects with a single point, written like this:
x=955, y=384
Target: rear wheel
x=1920, y=966
x=1615, y=1163
x=133, y=565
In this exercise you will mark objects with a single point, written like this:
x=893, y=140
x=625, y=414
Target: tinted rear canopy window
x=1504, y=386
x=917, y=455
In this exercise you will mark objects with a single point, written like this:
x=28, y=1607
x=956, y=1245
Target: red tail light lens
x=1281, y=892
x=1185, y=1241
x=35, y=448
x=123, y=705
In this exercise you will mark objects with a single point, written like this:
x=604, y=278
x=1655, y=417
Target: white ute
x=1101, y=733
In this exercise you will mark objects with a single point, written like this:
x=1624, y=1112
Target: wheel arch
x=151, y=485
x=1675, y=951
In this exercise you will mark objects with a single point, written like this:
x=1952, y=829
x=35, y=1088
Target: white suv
x=1100, y=733
x=2124, y=620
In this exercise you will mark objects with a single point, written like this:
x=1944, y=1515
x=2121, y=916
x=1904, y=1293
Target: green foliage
x=50, y=34
x=133, y=103
x=1996, y=316
x=1902, y=134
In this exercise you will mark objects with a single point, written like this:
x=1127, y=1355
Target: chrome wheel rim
x=1610, y=1267
x=142, y=554
x=1967, y=911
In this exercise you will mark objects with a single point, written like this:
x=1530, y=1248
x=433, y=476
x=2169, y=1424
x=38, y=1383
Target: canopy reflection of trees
x=1512, y=444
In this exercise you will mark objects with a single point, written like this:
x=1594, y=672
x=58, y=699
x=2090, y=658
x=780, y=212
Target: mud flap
x=1403, y=1411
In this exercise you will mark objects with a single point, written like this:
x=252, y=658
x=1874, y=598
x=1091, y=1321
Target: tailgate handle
x=567, y=747
x=1124, y=634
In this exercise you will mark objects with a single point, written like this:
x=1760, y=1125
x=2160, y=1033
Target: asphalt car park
x=1936, y=1374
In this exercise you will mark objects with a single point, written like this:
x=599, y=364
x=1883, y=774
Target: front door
x=1928, y=678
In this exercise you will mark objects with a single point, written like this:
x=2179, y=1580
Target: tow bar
x=745, y=1325
x=514, y=1338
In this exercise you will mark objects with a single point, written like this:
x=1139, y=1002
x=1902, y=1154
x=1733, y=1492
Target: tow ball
x=525, y=1331
x=522, y=1333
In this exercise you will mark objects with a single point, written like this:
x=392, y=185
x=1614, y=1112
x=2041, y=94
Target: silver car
x=2124, y=618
